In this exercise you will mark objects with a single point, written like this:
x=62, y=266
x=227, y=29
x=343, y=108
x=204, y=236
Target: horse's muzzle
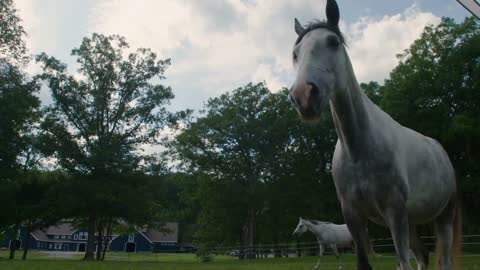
x=306, y=98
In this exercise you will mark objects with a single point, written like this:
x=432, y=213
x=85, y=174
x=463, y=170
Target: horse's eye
x=332, y=42
x=295, y=56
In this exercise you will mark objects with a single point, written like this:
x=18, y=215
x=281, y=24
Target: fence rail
x=381, y=245
x=384, y=246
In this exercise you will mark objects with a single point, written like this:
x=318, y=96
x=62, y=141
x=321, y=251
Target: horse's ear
x=333, y=14
x=298, y=27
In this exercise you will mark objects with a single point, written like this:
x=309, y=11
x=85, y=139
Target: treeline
x=238, y=173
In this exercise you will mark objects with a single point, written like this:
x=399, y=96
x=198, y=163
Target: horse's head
x=319, y=59
x=301, y=227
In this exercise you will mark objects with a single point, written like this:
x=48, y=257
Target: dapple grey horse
x=327, y=234
x=383, y=171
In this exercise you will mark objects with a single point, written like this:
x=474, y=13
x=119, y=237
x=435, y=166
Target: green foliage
x=12, y=45
x=19, y=110
x=96, y=122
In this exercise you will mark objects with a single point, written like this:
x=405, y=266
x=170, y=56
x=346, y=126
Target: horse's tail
x=456, y=231
x=457, y=235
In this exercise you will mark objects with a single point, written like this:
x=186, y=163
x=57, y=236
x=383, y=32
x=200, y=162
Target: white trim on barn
x=148, y=239
x=33, y=235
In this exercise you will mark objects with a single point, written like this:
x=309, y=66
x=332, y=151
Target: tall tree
x=100, y=118
x=18, y=104
x=12, y=46
x=19, y=111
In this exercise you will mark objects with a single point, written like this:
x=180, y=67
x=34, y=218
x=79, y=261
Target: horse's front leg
x=357, y=226
x=320, y=254
x=397, y=220
x=335, y=251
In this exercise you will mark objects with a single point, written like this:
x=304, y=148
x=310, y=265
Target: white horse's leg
x=420, y=251
x=397, y=220
x=358, y=228
x=320, y=254
x=335, y=251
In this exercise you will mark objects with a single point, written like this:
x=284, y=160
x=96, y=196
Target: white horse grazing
x=328, y=234
x=383, y=172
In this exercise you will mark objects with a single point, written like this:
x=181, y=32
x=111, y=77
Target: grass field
x=122, y=261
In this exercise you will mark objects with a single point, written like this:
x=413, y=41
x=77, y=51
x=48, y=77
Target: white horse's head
x=320, y=59
x=301, y=227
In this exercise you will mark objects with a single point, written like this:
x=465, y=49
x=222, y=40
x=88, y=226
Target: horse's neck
x=350, y=115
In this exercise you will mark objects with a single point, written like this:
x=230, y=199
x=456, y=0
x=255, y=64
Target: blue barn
x=61, y=237
x=148, y=239
x=64, y=237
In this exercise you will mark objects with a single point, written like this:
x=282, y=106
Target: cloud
x=218, y=46
x=215, y=46
x=374, y=44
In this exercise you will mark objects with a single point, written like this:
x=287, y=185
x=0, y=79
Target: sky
x=220, y=45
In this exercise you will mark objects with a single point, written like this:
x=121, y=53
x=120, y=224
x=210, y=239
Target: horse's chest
x=368, y=184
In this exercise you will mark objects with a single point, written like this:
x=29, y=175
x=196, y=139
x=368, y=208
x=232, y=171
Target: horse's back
x=341, y=234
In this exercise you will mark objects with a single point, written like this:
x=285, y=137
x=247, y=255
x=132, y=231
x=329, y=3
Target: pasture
x=147, y=261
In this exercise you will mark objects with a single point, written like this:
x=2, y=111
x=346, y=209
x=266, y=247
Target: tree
x=12, y=45
x=18, y=104
x=225, y=145
x=19, y=108
x=37, y=204
x=100, y=118
x=19, y=111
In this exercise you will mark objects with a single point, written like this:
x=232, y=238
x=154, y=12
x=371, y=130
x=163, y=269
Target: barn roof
x=167, y=232
x=61, y=229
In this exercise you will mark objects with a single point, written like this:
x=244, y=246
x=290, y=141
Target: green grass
x=148, y=261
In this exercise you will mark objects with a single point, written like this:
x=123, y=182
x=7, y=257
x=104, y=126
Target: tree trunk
x=100, y=231
x=251, y=234
x=89, y=251
x=13, y=241
x=27, y=242
x=108, y=236
x=241, y=253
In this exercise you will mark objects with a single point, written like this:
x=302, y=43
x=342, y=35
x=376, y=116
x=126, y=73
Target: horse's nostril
x=315, y=90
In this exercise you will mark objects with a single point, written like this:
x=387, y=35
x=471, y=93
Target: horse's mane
x=317, y=24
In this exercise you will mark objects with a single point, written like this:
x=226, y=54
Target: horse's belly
x=431, y=181
x=425, y=202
